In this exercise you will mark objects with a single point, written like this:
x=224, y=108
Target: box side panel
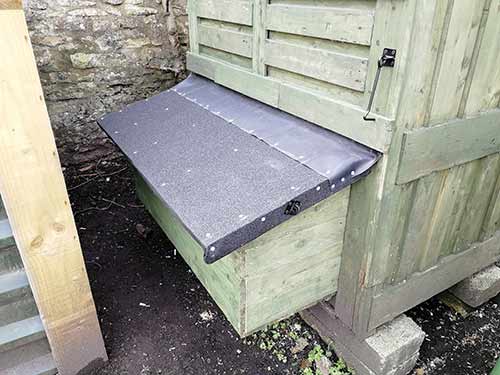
x=296, y=264
x=221, y=279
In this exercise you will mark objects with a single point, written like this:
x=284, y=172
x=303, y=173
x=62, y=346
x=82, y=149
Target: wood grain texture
x=226, y=40
x=421, y=286
x=448, y=145
x=193, y=25
x=235, y=11
x=334, y=23
x=11, y=4
x=340, y=69
x=338, y=116
x=34, y=193
x=289, y=268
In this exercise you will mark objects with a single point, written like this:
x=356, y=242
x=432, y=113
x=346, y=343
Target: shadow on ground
x=156, y=317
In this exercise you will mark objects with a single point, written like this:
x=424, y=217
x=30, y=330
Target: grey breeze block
x=479, y=288
x=392, y=350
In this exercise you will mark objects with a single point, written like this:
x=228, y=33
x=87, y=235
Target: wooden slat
x=259, y=36
x=234, y=11
x=11, y=4
x=341, y=117
x=484, y=92
x=445, y=146
x=340, y=24
x=34, y=193
x=421, y=286
x=193, y=26
x=226, y=40
x=492, y=219
x=337, y=116
x=344, y=70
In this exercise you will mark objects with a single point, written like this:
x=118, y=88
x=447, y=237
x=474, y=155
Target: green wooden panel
x=234, y=11
x=226, y=40
x=421, y=286
x=334, y=23
x=337, y=116
x=340, y=69
x=222, y=279
x=441, y=147
x=492, y=220
x=287, y=269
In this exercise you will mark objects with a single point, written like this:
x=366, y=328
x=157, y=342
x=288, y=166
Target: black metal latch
x=292, y=208
x=388, y=59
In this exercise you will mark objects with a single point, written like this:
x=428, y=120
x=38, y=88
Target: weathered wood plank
x=337, y=116
x=492, y=219
x=193, y=25
x=456, y=60
x=336, y=68
x=421, y=286
x=234, y=11
x=334, y=23
x=222, y=279
x=484, y=91
x=447, y=145
x=226, y=40
x=341, y=117
x=250, y=84
x=35, y=197
x=259, y=36
x=478, y=202
x=285, y=270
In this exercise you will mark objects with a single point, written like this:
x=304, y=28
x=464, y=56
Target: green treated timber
x=334, y=23
x=233, y=11
x=16, y=299
x=285, y=270
x=337, y=68
x=422, y=286
x=441, y=147
x=226, y=40
x=338, y=116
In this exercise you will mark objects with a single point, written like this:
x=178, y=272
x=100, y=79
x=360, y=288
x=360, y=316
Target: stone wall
x=94, y=56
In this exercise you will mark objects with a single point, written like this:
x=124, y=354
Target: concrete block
x=479, y=288
x=392, y=350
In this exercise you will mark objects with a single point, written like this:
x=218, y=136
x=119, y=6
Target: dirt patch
x=157, y=318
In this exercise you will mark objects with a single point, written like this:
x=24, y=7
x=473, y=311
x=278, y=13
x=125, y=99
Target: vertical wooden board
x=428, y=192
x=492, y=219
x=336, y=68
x=259, y=36
x=457, y=55
x=222, y=279
x=193, y=25
x=334, y=23
x=484, y=92
x=234, y=11
x=446, y=218
x=35, y=197
x=226, y=40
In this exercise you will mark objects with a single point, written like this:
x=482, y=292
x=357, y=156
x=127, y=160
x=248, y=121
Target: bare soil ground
x=158, y=319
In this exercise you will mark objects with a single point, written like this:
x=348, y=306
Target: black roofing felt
x=227, y=165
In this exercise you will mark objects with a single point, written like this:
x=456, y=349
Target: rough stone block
x=479, y=288
x=392, y=350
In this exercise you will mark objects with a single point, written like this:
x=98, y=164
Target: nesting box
x=415, y=83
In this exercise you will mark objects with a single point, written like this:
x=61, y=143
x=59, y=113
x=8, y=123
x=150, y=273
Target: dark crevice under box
x=254, y=199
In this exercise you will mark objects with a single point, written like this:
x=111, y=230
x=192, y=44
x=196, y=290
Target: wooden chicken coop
x=409, y=89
